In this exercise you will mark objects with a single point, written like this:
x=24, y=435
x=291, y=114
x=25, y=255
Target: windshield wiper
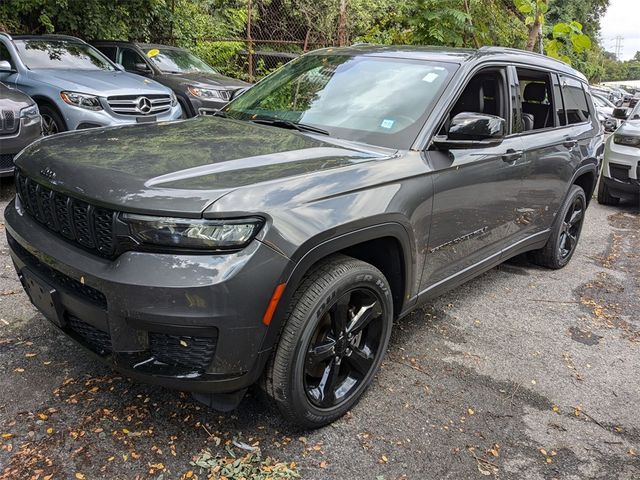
x=301, y=127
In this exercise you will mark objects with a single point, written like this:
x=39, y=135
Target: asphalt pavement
x=522, y=373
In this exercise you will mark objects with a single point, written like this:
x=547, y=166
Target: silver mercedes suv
x=77, y=87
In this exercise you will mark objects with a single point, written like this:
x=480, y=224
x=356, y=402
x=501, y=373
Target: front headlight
x=193, y=234
x=626, y=140
x=30, y=115
x=82, y=100
x=205, y=93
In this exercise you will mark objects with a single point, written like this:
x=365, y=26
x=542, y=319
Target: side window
x=129, y=58
x=537, y=99
x=557, y=95
x=575, y=101
x=109, y=52
x=5, y=55
x=485, y=93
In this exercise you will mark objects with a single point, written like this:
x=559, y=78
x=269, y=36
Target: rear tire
x=604, y=197
x=565, y=232
x=320, y=367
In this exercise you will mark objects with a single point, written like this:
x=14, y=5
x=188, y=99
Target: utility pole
x=249, y=40
x=618, y=46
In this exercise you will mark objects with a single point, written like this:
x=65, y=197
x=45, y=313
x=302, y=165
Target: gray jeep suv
x=277, y=242
x=20, y=124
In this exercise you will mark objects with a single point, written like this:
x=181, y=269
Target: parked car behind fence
x=200, y=89
x=76, y=87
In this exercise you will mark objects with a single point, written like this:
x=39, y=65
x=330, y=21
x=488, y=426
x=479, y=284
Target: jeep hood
x=180, y=168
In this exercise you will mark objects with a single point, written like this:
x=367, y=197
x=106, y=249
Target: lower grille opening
x=96, y=340
x=619, y=172
x=59, y=279
x=6, y=161
x=195, y=353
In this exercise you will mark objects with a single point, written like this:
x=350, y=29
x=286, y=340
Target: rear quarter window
x=575, y=101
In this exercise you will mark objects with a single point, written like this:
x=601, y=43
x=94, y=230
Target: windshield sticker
x=153, y=53
x=386, y=123
x=430, y=77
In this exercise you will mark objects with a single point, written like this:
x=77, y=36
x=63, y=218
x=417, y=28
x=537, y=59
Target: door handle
x=570, y=143
x=511, y=155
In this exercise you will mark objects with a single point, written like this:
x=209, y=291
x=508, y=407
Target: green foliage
x=440, y=22
x=567, y=38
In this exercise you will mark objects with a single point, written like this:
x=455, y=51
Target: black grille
x=6, y=161
x=97, y=340
x=80, y=222
x=619, y=172
x=8, y=122
x=191, y=352
x=59, y=279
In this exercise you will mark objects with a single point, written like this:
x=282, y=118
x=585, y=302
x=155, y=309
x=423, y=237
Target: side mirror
x=141, y=67
x=5, y=67
x=620, y=113
x=238, y=92
x=470, y=130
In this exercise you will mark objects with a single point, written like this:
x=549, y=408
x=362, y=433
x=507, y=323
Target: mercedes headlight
x=206, y=93
x=174, y=99
x=193, y=234
x=82, y=100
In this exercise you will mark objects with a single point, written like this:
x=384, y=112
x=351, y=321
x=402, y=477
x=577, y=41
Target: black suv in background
x=277, y=241
x=20, y=125
x=200, y=88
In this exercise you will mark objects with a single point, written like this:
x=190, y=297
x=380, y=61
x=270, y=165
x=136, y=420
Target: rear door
x=477, y=190
x=553, y=146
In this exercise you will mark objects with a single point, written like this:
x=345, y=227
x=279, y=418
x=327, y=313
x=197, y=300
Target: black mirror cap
x=476, y=126
x=620, y=113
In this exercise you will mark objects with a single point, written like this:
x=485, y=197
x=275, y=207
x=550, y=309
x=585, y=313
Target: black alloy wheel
x=571, y=227
x=343, y=348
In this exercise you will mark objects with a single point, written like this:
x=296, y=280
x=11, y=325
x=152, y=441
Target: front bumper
x=621, y=170
x=189, y=322
x=205, y=107
x=11, y=145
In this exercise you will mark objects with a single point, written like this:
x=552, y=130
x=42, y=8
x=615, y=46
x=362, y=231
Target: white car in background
x=620, y=176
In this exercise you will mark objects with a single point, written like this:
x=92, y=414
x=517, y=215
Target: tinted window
x=380, y=101
x=575, y=101
x=61, y=54
x=173, y=60
x=110, y=52
x=5, y=55
x=129, y=58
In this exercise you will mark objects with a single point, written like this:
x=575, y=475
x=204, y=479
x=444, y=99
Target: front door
x=476, y=190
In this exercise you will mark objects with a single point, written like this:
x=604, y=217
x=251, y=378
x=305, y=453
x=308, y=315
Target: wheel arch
x=44, y=100
x=586, y=177
x=386, y=246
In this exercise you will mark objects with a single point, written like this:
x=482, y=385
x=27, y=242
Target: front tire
x=332, y=344
x=52, y=121
x=604, y=197
x=565, y=232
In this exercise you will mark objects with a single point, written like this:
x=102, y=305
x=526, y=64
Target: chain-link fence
x=275, y=32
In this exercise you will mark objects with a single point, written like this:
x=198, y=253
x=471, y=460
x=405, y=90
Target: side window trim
x=557, y=88
x=586, y=99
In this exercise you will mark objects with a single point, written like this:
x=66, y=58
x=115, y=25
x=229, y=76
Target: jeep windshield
x=374, y=100
x=61, y=54
x=173, y=60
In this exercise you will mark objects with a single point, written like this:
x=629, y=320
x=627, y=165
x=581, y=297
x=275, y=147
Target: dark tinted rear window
x=575, y=101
